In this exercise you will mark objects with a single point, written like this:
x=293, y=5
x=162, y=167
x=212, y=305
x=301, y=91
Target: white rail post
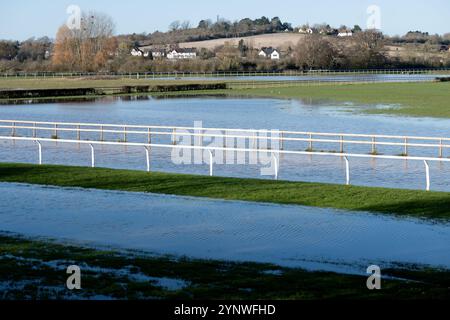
x=92, y=156
x=101, y=133
x=147, y=154
x=374, y=145
x=40, y=152
x=275, y=161
x=174, y=137
x=406, y=147
x=347, y=171
x=211, y=163
x=427, y=170
x=149, y=136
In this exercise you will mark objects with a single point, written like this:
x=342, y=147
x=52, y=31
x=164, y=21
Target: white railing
x=187, y=74
x=282, y=137
x=275, y=153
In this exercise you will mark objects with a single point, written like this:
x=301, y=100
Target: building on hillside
x=444, y=48
x=269, y=53
x=138, y=52
x=306, y=30
x=186, y=53
x=158, y=53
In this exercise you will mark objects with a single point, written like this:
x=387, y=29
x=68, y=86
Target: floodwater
x=294, y=236
x=222, y=112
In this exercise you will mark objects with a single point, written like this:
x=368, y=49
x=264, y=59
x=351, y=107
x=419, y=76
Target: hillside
x=278, y=40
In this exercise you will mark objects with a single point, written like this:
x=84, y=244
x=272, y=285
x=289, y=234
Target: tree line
x=94, y=47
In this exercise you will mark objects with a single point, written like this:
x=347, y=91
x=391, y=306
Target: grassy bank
x=37, y=270
x=426, y=99
x=61, y=83
x=434, y=205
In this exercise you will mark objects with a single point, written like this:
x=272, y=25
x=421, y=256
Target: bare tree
x=88, y=47
x=367, y=50
x=186, y=25
x=314, y=52
x=174, y=26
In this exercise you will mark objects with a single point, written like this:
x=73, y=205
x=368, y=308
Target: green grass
x=60, y=83
x=434, y=205
x=37, y=270
x=426, y=99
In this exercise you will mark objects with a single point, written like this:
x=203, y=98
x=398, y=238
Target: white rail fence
x=405, y=142
x=341, y=141
x=275, y=154
x=151, y=75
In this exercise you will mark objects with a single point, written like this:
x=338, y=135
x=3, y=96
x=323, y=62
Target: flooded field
x=316, y=116
x=312, y=238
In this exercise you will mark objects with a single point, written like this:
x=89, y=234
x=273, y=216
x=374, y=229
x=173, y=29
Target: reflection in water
x=313, y=238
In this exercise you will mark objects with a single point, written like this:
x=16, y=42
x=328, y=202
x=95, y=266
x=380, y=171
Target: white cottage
x=269, y=53
x=137, y=52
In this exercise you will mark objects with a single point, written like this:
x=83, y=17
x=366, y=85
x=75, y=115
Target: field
x=110, y=274
x=61, y=83
x=276, y=40
x=117, y=275
x=421, y=204
x=414, y=99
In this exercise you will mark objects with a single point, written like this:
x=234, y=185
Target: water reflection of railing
x=274, y=153
x=284, y=139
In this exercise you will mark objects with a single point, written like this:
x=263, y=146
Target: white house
x=158, y=54
x=306, y=31
x=137, y=52
x=270, y=52
x=187, y=53
x=345, y=33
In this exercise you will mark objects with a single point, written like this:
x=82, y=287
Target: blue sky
x=21, y=19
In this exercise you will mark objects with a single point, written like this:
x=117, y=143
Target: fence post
x=310, y=142
x=441, y=153
x=92, y=156
x=13, y=131
x=342, y=144
x=211, y=163
x=40, y=152
x=149, y=136
x=78, y=133
x=174, y=137
x=347, y=171
x=125, y=134
x=275, y=160
x=34, y=130
x=101, y=133
x=427, y=171
x=147, y=154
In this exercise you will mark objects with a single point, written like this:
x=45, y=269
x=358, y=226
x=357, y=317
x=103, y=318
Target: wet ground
x=296, y=236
